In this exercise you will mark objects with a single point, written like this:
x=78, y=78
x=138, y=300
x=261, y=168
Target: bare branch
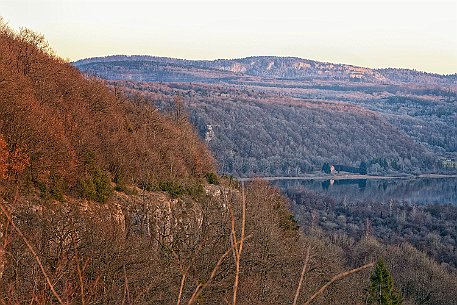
x=200, y=287
x=302, y=276
x=80, y=276
x=239, y=249
x=336, y=278
x=181, y=287
x=35, y=255
x=126, y=288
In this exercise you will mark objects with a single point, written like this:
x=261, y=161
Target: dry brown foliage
x=3, y=158
x=59, y=125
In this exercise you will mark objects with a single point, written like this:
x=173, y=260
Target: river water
x=413, y=190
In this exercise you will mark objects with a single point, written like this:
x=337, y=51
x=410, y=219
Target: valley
x=122, y=191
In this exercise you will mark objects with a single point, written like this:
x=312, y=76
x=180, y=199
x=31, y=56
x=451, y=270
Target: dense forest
x=72, y=128
x=430, y=228
x=106, y=200
x=255, y=134
x=273, y=116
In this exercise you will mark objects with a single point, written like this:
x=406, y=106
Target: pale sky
x=412, y=34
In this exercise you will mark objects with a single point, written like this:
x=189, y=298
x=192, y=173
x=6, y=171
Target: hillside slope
x=70, y=127
x=261, y=134
x=415, y=108
x=138, y=245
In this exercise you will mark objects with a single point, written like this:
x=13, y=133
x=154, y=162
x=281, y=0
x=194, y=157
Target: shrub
x=176, y=189
x=122, y=187
x=195, y=190
x=57, y=188
x=96, y=186
x=53, y=189
x=212, y=178
x=288, y=222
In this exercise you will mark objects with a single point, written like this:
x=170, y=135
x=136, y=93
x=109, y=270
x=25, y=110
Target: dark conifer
x=382, y=290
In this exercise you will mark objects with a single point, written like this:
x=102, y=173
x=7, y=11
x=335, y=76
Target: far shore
x=319, y=176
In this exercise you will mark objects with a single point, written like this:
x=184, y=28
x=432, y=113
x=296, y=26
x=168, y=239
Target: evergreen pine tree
x=382, y=290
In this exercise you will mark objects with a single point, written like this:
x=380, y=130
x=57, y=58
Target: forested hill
x=262, y=66
x=260, y=134
x=283, y=116
x=70, y=128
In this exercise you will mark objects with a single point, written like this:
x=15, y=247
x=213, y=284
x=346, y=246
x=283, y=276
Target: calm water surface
x=419, y=190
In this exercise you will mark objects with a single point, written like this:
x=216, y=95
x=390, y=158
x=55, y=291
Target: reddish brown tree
x=3, y=158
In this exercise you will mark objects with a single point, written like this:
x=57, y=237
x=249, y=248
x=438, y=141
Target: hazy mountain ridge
x=411, y=76
x=297, y=68
x=275, y=67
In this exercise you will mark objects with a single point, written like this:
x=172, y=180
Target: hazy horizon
x=389, y=34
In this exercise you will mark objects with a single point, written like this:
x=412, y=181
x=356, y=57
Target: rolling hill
x=292, y=68
x=283, y=116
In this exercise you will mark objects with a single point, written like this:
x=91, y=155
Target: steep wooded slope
x=70, y=126
x=145, y=247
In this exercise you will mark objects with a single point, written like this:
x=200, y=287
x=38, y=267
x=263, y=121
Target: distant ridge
x=290, y=68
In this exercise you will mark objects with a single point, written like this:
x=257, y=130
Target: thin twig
x=186, y=271
x=126, y=288
x=336, y=278
x=35, y=255
x=302, y=276
x=80, y=276
x=233, y=240
x=240, y=248
x=200, y=287
x=181, y=287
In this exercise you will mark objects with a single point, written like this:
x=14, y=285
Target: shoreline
x=350, y=177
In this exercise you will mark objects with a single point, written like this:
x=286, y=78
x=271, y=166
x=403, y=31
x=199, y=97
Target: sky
x=413, y=34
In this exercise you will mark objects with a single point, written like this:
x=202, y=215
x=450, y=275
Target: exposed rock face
x=157, y=216
x=209, y=133
x=237, y=68
x=163, y=219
